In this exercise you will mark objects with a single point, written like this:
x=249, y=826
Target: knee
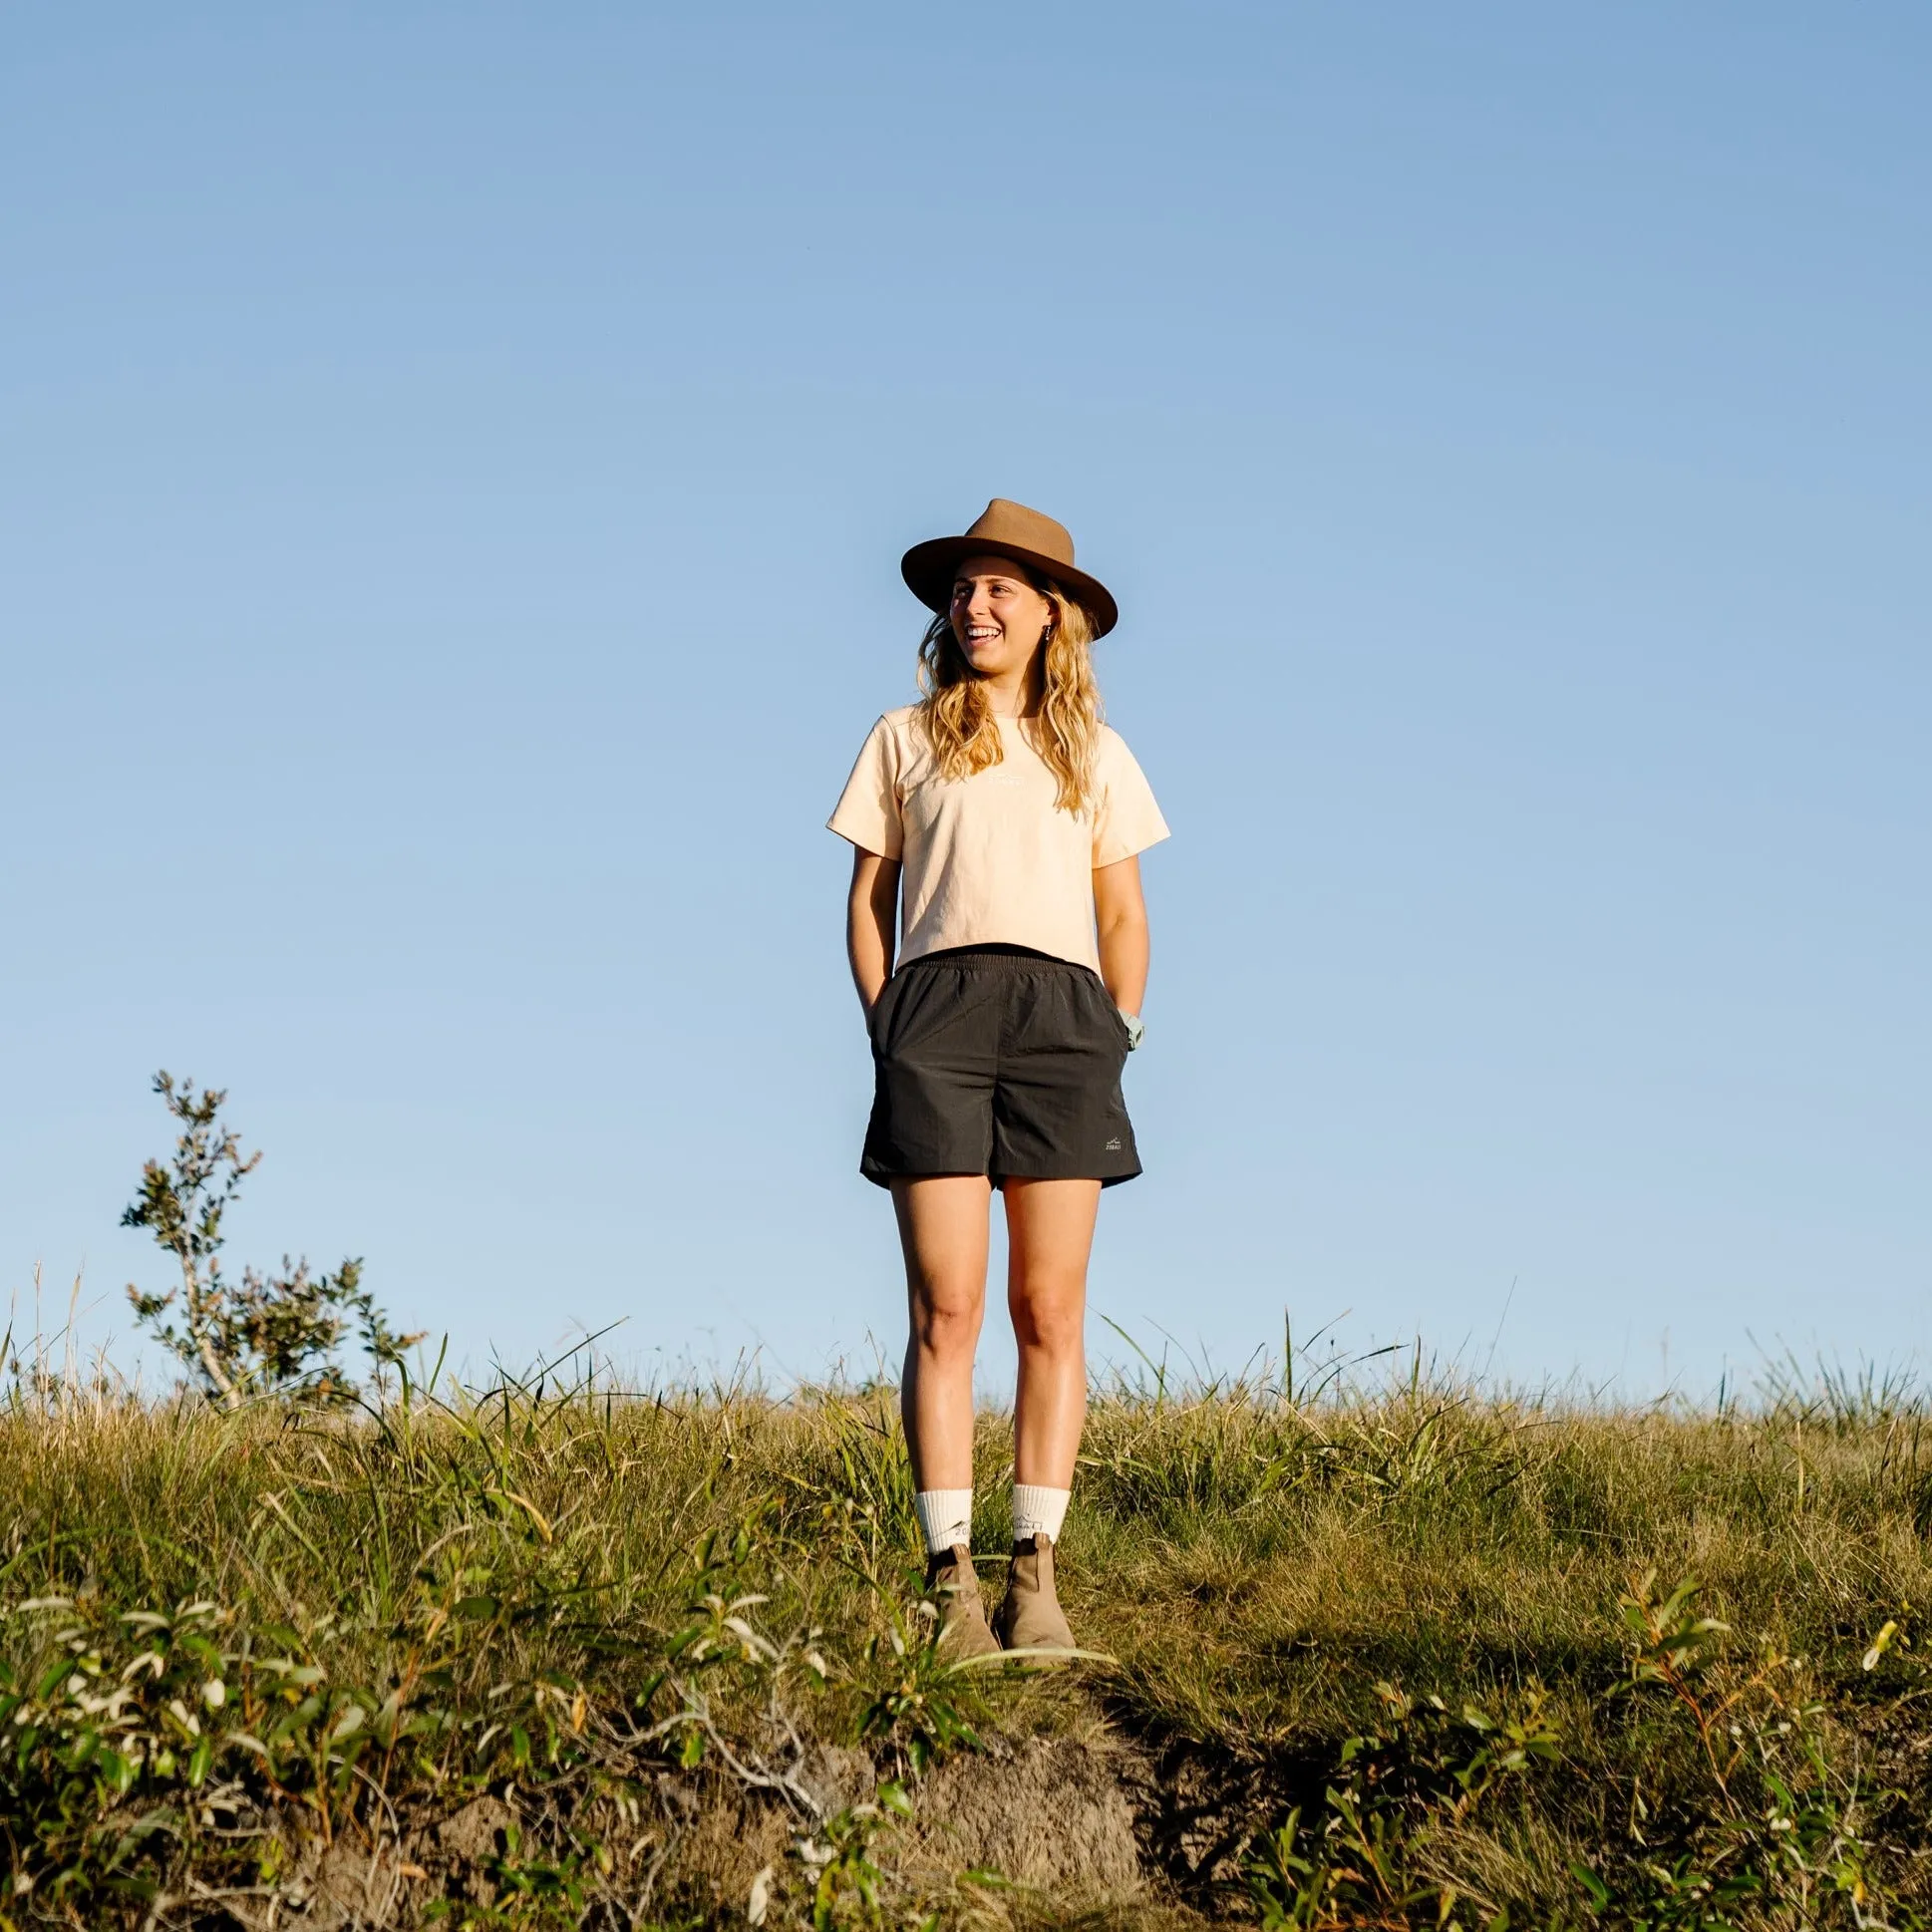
x=1053, y=1319
x=945, y=1325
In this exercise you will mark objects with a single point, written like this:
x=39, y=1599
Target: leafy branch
x=274, y=1334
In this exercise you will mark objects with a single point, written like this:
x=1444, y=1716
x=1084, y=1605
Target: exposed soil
x=1088, y=1821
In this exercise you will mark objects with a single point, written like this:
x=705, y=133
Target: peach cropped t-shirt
x=991, y=860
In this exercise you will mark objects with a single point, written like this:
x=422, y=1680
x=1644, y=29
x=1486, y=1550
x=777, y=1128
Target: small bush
x=276, y=1335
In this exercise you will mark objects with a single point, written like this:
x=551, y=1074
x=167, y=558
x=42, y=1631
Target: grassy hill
x=1420, y=1655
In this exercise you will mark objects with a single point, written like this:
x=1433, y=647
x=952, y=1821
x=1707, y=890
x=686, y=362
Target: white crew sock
x=946, y=1515
x=1038, y=1511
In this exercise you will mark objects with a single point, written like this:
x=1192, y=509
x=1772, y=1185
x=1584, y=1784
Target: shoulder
x=899, y=729
x=892, y=744
x=894, y=726
x=1110, y=752
x=891, y=729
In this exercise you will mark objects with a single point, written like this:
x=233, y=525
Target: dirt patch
x=722, y=1849
x=347, y=1885
x=1055, y=1814
x=1065, y=1816
x=477, y=1832
x=455, y=1856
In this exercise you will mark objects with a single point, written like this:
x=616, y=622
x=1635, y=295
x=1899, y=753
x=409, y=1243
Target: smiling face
x=998, y=617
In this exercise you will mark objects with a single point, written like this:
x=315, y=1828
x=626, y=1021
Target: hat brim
x=929, y=572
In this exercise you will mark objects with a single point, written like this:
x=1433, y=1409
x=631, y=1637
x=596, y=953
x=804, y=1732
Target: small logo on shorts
x=1112, y=1146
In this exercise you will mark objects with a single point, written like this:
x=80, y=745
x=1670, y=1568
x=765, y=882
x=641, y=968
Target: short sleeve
x=868, y=812
x=1126, y=819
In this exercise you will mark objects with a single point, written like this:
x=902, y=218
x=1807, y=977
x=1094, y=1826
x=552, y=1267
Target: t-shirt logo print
x=1112, y=1146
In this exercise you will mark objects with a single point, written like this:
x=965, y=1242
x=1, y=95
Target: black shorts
x=998, y=1061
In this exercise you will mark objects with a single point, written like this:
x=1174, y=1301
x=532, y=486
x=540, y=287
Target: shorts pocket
x=1113, y=1017
x=881, y=1023
x=1119, y=1025
x=876, y=1020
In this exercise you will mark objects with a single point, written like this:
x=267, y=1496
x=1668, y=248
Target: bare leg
x=942, y=1228
x=1050, y=1233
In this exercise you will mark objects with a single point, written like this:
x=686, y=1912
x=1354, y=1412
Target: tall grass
x=1389, y=1647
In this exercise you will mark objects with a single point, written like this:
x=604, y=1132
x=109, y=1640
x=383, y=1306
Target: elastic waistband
x=993, y=954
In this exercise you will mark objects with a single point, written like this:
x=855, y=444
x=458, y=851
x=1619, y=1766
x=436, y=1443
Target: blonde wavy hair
x=959, y=724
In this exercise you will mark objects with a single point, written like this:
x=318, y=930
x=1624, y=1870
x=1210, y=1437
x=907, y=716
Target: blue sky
x=452, y=466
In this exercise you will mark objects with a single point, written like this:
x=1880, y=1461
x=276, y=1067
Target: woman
x=1009, y=818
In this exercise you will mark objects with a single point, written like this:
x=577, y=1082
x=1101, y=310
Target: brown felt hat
x=1008, y=530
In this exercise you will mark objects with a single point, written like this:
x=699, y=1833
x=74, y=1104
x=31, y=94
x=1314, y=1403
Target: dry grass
x=534, y=1597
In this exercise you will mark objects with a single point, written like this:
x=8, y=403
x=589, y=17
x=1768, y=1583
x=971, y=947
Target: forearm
x=871, y=909
x=870, y=956
x=1124, y=960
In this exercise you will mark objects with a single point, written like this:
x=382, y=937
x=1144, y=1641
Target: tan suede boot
x=953, y=1585
x=1030, y=1618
